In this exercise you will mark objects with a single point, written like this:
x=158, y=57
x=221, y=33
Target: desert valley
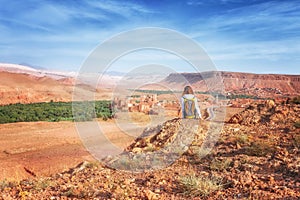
x=256, y=155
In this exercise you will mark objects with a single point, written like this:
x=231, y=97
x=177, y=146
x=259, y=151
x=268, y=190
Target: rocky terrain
x=255, y=157
x=261, y=85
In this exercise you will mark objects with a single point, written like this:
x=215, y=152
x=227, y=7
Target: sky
x=257, y=36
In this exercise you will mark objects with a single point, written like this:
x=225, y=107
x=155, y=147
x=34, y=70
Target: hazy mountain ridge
x=237, y=82
x=24, y=69
x=23, y=84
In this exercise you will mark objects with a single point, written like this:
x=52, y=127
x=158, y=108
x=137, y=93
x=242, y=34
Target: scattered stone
x=242, y=176
x=151, y=195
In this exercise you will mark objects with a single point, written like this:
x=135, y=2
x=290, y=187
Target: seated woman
x=189, y=104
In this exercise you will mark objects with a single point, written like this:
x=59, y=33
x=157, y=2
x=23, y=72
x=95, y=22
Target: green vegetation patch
x=55, y=111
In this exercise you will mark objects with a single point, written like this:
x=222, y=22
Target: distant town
x=147, y=104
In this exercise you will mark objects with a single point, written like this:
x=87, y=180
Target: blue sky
x=246, y=36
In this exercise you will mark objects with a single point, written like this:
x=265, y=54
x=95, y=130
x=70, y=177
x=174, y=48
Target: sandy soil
x=44, y=148
x=41, y=147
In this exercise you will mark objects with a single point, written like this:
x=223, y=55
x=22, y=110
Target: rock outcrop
x=267, y=113
x=158, y=147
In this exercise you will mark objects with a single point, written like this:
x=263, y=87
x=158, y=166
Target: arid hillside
x=23, y=88
x=262, y=85
x=26, y=88
x=256, y=156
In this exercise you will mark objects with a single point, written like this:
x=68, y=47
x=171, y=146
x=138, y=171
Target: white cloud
x=45, y=14
x=265, y=17
x=266, y=31
x=24, y=24
x=125, y=9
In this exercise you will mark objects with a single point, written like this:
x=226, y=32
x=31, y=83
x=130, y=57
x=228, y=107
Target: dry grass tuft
x=242, y=139
x=297, y=124
x=199, y=186
x=259, y=148
x=296, y=140
x=220, y=165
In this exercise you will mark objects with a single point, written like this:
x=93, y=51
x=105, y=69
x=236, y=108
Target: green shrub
x=7, y=184
x=3, y=184
x=43, y=183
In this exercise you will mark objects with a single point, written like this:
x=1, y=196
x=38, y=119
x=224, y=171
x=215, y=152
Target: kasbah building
x=143, y=103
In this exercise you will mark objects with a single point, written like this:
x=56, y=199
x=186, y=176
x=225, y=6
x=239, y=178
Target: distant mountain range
x=261, y=85
x=32, y=66
x=38, y=72
x=24, y=84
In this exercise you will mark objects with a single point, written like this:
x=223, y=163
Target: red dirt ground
x=46, y=148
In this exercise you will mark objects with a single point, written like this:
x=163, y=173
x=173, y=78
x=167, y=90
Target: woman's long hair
x=187, y=90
